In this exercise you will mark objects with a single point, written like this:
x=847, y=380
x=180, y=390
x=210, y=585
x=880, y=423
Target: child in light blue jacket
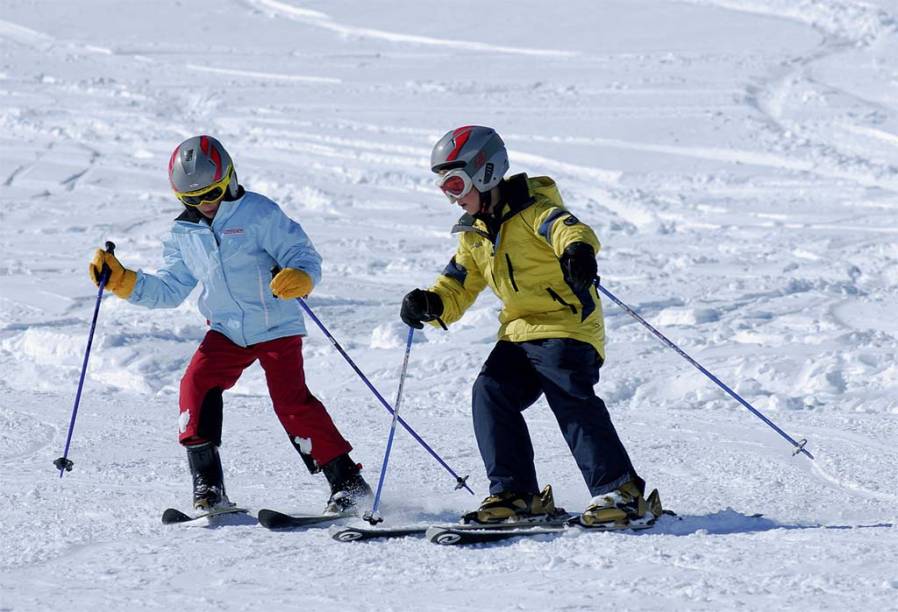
x=229, y=240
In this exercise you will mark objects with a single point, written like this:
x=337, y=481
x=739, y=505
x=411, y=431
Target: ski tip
x=172, y=516
x=272, y=519
x=442, y=536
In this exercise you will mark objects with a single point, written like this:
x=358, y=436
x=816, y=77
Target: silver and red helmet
x=200, y=169
x=475, y=150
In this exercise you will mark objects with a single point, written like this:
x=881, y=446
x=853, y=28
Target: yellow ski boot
x=621, y=506
x=510, y=507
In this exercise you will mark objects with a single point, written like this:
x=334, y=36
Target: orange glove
x=121, y=281
x=290, y=283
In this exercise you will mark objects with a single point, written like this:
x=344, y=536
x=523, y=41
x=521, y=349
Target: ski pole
x=799, y=446
x=460, y=482
x=64, y=464
x=374, y=517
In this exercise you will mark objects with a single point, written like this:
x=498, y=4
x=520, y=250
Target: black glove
x=418, y=306
x=578, y=264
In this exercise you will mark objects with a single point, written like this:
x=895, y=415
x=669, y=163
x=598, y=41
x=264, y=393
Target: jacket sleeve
x=560, y=228
x=170, y=285
x=459, y=285
x=289, y=245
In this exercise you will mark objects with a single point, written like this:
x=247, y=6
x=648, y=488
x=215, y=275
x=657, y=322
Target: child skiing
x=229, y=239
x=539, y=259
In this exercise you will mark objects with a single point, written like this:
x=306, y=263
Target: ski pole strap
x=380, y=398
x=799, y=446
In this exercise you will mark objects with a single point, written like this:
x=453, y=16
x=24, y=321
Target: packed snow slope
x=737, y=158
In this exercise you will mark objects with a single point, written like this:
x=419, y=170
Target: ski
x=460, y=534
x=272, y=519
x=466, y=534
x=356, y=533
x=559, y=519
x=173, y=516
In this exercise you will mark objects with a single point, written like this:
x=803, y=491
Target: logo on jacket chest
x=233, y=231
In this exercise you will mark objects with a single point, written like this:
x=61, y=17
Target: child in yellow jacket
x=517, y=237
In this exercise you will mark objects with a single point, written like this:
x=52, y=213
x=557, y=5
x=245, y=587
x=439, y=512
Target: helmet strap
x=485, y=201
x=489, y=200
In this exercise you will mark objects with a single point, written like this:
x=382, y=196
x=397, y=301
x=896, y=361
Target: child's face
x=452, y=182
x=470, y=202
x=208, y=209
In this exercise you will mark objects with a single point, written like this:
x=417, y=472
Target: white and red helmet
x=476, y=150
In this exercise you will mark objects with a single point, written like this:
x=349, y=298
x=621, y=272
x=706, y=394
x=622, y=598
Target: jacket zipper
x=558, y=299
x=262, y=286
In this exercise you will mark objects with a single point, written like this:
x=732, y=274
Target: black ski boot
x=208, y=479
x=349, y=490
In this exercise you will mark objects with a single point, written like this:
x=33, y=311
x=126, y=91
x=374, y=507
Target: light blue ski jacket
x=232, y=258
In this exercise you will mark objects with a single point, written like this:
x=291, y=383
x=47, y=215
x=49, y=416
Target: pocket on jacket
x=560, y=300
x=514, y=285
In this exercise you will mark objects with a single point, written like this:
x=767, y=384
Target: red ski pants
x=216, y=366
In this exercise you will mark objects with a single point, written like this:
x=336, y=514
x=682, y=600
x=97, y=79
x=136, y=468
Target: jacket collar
x=191, y=215
x=514, y=196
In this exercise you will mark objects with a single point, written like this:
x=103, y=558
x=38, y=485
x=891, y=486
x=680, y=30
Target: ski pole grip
x=105, y=273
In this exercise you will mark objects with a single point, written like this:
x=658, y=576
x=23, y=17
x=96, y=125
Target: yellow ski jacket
x=517, y=255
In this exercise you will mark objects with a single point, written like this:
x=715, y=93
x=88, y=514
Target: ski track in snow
x=262, y=75
x=321, y=20
x=745, y=196
x=856, y=21
x=845, y=26
x=24, y=36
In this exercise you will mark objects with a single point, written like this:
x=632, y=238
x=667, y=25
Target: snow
x=737, y=159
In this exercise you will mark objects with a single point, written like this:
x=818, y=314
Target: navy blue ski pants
x=512, y=379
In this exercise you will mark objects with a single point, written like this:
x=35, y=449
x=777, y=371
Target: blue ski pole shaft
x=799, y=446
x=64, y=463
x=373, y=517
x=460, y=482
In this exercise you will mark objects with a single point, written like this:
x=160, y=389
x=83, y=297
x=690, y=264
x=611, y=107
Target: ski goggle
x=455, y=184
x=206, y=195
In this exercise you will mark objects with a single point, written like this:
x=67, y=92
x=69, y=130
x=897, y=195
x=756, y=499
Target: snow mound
x=686, y=316
x=393, y=335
